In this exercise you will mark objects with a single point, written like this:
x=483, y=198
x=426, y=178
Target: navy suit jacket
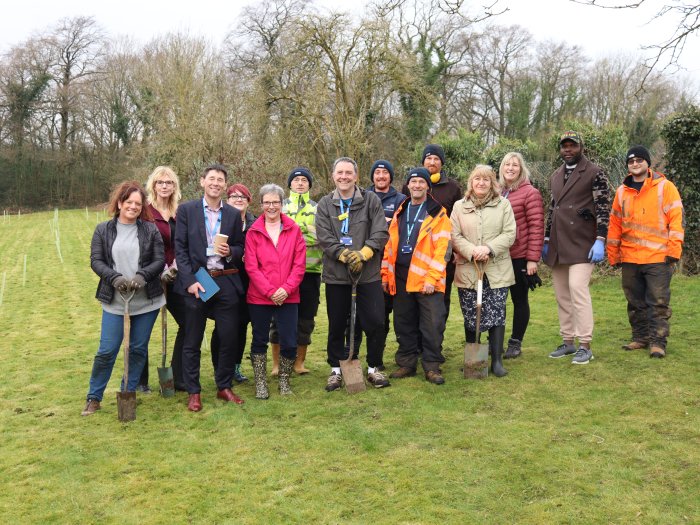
x=191, y=243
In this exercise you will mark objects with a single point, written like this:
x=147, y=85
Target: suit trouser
x=370, y=314
x=647, y=288
x=223, y=309
x=574, y=301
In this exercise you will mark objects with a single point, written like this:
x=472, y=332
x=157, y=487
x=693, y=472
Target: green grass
x=616, y=441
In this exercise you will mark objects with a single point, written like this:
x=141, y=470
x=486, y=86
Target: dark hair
x=122, y=192
x=215, y=167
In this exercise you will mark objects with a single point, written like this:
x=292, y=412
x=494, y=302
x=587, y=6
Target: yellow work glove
x=343, y=257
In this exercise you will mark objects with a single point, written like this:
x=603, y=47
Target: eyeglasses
x=237, y=198
x=271, y=204
x=164, y=183
x=635, y=160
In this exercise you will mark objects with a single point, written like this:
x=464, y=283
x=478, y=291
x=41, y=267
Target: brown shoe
x=92, y=406
x=402, y=372
x=435, y=377
x=194, y=403
x=227, y=395
x=635, y=345
x=657, y=352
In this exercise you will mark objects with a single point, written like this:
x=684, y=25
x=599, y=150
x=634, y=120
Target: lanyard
x=211, y=234
x=410, y=225
x=344, y=227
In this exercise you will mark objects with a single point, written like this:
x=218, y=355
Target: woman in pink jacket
x=525, y=252
x=275, y=259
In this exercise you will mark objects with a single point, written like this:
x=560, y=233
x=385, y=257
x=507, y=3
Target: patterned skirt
x=493, y=307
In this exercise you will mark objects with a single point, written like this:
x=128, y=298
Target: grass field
x=616, y=441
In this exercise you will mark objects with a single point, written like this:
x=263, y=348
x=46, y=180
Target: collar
x=206, y=206
x=298, y=198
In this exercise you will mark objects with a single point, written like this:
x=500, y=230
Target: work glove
x=120, y=283
x=363, y=255
x=168, y=276
x=597, y=252
x=533, y=281
x=545, y=250
x=670, y=260
x=343, y=257
x=137, y=282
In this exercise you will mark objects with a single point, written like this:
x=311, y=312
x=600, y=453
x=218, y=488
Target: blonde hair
x=151, y=187
x=484, y=171
x=524, y=170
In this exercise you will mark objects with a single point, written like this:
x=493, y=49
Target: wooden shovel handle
x=126, y=297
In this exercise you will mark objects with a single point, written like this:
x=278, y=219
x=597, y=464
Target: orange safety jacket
x=646, y=226
x=428, y=263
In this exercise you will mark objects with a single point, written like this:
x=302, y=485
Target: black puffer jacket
x=151, y=258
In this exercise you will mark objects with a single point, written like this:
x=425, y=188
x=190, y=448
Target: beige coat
x=493, y=226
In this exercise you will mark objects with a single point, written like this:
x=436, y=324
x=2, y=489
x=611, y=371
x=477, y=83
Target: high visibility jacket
x=301, y=209
x=646, y=226
x=428, y=263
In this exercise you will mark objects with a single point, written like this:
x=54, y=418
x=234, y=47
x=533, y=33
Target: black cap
x=381, y=163
x=434, y=149
x=638, y=151
x=296, y=172
x=422, y=173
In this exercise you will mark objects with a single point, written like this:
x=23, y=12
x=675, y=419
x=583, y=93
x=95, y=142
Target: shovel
x=476, y=355
x=352, y=368
x=126, y=401
x=165, y=374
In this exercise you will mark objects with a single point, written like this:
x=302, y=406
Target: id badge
x=406, y=248
x=211, y=251
x=346, y=240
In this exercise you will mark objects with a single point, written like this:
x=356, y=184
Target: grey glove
x=168, y=276
x=120, y=283
x=137, y=282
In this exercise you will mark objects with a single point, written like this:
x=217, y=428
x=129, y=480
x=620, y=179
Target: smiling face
x=130, y=209
x=272, y=206
x=511, y=170
x=344, y=177
x=382, y=179
x=481, y=184
x=638, y=167
x=570, y=151
x=418, y=188
x=239, y=202
x=299, y=184
x=214, y=183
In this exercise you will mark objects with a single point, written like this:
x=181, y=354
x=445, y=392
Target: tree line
x=296, y=85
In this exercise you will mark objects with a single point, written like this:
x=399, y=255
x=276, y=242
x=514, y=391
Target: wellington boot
x=275, y=359
x=285, y=371
x=299, y=362
x=496, y=335
x=260, y=372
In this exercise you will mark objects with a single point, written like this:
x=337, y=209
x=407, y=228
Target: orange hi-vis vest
x=646, y=226
x=428, y=263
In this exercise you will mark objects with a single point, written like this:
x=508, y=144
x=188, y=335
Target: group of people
x=395, y=251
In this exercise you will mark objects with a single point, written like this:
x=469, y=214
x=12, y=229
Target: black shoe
x=144, y=389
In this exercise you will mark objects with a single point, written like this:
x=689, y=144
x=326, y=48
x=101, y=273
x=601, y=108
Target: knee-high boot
x=299, y=367
x=275, y=359
x=496, y=335
x=285, y=371
x=260, y=372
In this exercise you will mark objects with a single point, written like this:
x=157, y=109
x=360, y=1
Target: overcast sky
x=599, y=32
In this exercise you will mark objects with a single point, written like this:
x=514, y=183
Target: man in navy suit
x=198, y=223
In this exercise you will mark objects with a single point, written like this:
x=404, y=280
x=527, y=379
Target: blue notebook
x=206, y=280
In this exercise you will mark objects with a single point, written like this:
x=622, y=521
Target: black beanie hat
x=421, y=173
x=381, y=163
x=434, y=149
x=639, y=151
x=296, y=172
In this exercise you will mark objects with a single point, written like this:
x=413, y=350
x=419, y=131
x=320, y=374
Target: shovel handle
x=126, y=297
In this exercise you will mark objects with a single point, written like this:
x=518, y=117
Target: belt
x=219, y=273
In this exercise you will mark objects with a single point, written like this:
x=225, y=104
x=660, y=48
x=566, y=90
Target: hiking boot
x=582, y=356
x=635, y=345
x=92, y=406
x=335, y=381
x=402, y=372
x=562, y=351
x=435, y=377
x=378, y=379
x=657, y=352
x=238, y=375
x=513, y=349
x=145, y=389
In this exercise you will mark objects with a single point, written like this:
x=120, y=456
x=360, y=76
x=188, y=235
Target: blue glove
x=545, y=250
x=597, y=251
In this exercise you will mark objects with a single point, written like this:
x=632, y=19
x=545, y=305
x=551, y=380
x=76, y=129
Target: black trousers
x=417, y=314
x=370, y=310
x=519, y=295
x=243, y=322
x=450, y=268
x=223, y=309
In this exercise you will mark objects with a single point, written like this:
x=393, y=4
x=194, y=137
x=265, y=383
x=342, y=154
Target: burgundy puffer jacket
x=529, y=219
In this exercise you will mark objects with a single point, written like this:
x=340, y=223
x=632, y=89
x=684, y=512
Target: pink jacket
x=270, y=267
x=529, y=220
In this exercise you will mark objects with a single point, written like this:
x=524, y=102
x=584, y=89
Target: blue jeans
x=110, y=341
